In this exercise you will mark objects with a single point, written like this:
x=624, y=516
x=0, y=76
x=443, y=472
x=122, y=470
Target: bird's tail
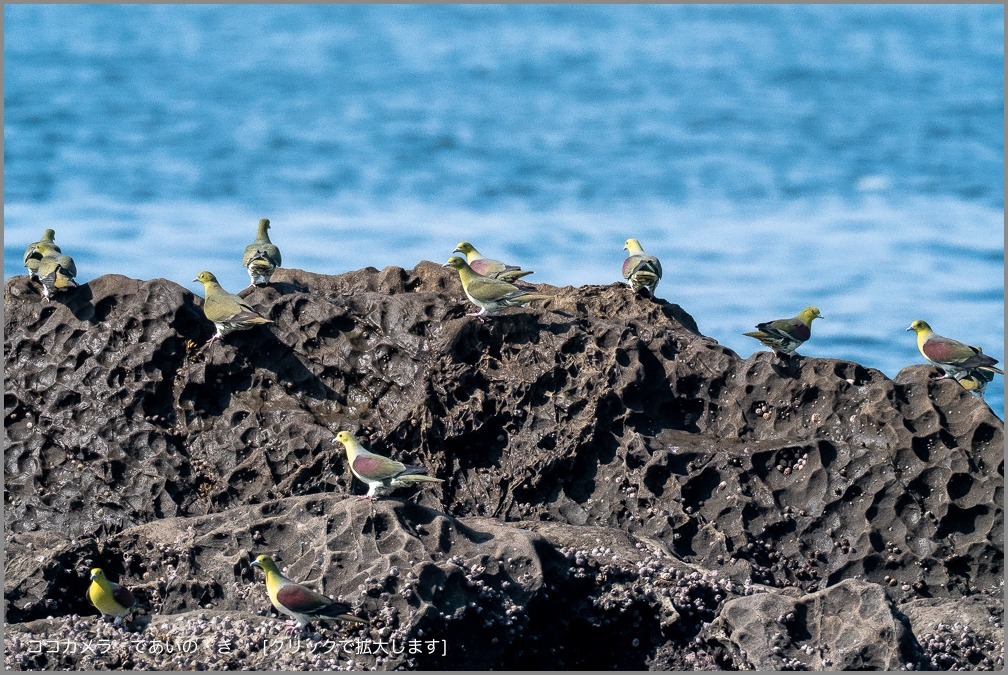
x=645, y=277
x=991, y=369
x=340, y=610
x=511, y=276
x=535, y=296
x=758, y=334
x=352, y=619
x=417, y=478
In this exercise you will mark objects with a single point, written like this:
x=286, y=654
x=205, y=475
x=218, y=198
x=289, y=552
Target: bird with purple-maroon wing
x=956, y=359
x=299, y=602
x=381, y=474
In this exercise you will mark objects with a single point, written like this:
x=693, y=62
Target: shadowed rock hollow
x=609, y=471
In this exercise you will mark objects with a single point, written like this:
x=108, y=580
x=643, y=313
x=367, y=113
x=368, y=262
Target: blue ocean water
x=773, y=157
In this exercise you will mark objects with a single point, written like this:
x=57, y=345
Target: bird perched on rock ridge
x=261, y=257
x=956, y=359
x=228, y=311
x=490, y=295
x=55, y=271
x=300, y=602
x=32, y=255
x=786, y=335
x=493, y=269
x=640, y=269
x=110, y=598
x=381, y=474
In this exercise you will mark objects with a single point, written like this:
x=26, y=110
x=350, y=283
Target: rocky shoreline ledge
x=620, y=491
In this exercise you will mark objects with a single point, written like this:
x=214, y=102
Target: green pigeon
x=975, y=380
x=261, y=257
x=640, y=269
x=299, y=602
x=110, y=598
x=381, y=474
x=490, y=295
x=55, y=271
x=955, y=358
x=785, y=335
x=488, y=267
x=226, y=310
x=32, y=255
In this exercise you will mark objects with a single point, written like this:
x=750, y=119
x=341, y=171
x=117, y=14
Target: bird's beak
x=456, y=251
x=255, y=563
x=446, y=265
x=93, y=577
x=195, y=279
x=908, y=329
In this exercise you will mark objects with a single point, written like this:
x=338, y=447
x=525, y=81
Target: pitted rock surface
x=595, y=409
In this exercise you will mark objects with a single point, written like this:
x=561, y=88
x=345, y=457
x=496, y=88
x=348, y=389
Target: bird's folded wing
x=953, y=352
x=250, y=252
x=491, y=268
x=490, y=290
x=264, y=251
x=791, y=329
x=377, y=467
x=68, y=265
x=299, y=599
x=641, y=263
x=122, y=596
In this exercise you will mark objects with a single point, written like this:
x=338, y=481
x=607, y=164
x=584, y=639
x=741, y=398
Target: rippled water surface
x=850, y=157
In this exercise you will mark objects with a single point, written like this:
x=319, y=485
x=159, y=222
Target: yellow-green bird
x=381, y=474
x=227, y=311
x=955, y=358
x=786, y=335
x=490, y=295
x=110, y=598
x=55, y=271
x=261, y=257
x=640, y=269
x=975, y=380
x=32, y=255
x=494, y=269
x=299, y=602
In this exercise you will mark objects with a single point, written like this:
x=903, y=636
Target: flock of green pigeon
x=492, y=286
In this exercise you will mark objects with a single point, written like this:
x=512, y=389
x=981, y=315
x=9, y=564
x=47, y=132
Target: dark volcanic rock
x=851, y=625
x=599, y=415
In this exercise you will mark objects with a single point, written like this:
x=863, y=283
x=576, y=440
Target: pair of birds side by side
x=296, y=601
x=967, y=364
x=228, y=311
x=488, y=283
x=46, y=262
